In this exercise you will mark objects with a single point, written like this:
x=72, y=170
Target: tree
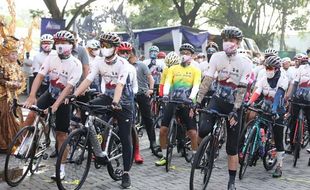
x=187, y=10
x=57, y=14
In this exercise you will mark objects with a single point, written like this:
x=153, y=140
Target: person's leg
x=307, y=114
x=124, y=119
x=278, y=138
x=145, y=110
x=135, y=138
x=163, y=133
x=191, y=128
x=292, y=124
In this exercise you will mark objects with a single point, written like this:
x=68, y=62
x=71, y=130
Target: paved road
x=148, y=176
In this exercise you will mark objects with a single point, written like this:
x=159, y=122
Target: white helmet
x=286, y=59
x=47, y=38
x=270, y=51
x=93, y=44
x=172, y=59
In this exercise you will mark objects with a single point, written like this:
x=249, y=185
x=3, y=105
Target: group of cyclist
x=116, y=72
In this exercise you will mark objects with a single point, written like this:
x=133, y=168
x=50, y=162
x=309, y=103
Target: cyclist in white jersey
x=233, y=71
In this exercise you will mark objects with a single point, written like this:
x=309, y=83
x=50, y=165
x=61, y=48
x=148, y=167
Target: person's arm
x=168, y=82
x=196, y=83
x=85, y=70
x=83, y=56
x=277, y=99
x=88, y=80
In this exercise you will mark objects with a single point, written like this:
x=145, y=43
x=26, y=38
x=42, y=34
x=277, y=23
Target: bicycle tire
x=306, y=136
x=115, y=149
x=15, y=145
x=172, y=133
x=298, y=137
x=79, y=144
x=247, y=157
x=243, y=133
x=202, y=165
x=268, y=156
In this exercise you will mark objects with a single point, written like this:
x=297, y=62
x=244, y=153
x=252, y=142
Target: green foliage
x=86, y=11
x=36, y=13
x=300, y=23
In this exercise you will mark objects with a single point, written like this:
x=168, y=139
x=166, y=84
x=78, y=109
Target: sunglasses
x=269, y=68
x=105, y=45
x=124, y=52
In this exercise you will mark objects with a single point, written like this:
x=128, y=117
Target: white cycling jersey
x=264, y=88
x=303, y=75
x=61, y=72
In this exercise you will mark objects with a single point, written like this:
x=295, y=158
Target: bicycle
x=82, y=141
x=28, y=146
x=207, y=152
x=184, y=142
x=254, y=147
x=300, y=138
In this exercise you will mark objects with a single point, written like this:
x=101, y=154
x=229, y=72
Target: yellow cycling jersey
x=183, y=79
x=164, y=75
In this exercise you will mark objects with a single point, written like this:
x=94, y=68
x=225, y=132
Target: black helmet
x=110, y=38
x=232, y=32
x=273, y=61
x=188, y=47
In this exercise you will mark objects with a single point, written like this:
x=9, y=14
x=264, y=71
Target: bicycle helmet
x=47, y=38
x=154, y=48
x=93, y=44
x=231, y=32
x=110, y=38
x=172, y=59
x=303, y=59
x=64, y=35
x=273, y=61
x=286, y=59
x=299, y=56
x=270, y=52
x=125, y=46
x=161, y=55
x=188, y=47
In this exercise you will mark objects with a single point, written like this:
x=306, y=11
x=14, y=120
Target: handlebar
x=91, y=108
x=34, y=108
x=259, y=111
x=299, y=104
x=205, y=110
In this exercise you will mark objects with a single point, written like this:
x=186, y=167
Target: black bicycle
x=28, y=147
x=176, y=127
x=81, y=142
x=207, y=152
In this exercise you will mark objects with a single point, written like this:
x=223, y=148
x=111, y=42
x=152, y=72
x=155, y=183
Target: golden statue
x=12, y=84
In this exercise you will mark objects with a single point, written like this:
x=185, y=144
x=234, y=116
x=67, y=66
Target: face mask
x=229, y=48
x=153, y=54
x=96, y=52
x=199, y=60
x=47, y=47
x=107, y=52
x=64, y=50
x=270, y=74
x=186, y=60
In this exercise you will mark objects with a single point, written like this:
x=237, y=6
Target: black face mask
x=274, y=81
x=209, y=57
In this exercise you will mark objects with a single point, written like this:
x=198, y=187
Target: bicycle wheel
x=187, y=149
x=17, y=161
x=246, y=157
x=306, y=136
x=115, y=152
x=202, y=165
x=269, y=159
x=287, y=131
x=78, y=160
x=172, y=133
x=298, y=137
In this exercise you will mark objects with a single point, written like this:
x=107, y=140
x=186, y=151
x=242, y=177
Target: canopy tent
x=168, y=38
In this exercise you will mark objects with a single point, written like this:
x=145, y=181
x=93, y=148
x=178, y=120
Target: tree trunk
x=283, y=26
x=53, y=8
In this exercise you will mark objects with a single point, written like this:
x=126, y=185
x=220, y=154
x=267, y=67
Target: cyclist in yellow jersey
x=181, y=83
x=171, y=59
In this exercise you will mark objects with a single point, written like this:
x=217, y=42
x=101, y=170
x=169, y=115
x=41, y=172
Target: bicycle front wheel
x=78, y=160
x=172, y=133
x=246, y=153
x=202, y=165
x=115, y=151
x=297, y=138
x=19, y=157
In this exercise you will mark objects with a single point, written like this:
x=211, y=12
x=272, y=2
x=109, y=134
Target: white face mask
x=47, y=47
x=96, y=52
x=229, y=48
x=270, y=74
x=107, y=52
x=186, y=60
x=64, y=49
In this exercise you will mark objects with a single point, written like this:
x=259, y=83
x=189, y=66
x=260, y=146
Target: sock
x=232, y=176
x=164, y=151
x=280, y=157
x=62, y=168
